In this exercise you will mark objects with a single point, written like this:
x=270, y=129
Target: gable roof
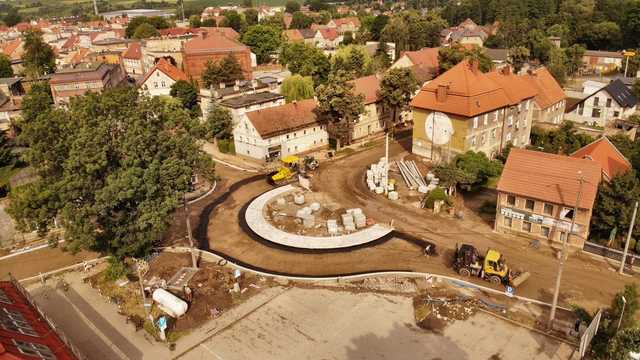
x=516, y=87
x=282, y=119
x=550, y=177
x=166, y=67
x=212, y=42
x=347, y=20
x=603, y=152
x=469, y=92
x=10, y=47
x=71, y=42
x=424, y=57
x=328, y=34
x=367, y=86
x=134, y=51
x=293, y=35
x=621, y=93
x=549, y=91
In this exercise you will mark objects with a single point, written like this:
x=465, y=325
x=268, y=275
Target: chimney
x=473, y=65
x=441, y=93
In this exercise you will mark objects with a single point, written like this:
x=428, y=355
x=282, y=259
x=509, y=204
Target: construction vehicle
x=492, y=267
x=292, y=166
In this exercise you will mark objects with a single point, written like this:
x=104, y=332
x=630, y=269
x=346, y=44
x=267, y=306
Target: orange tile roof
x=293, y=35
x=343, y=21
x=516, y=87
x=282, y=119
x=549, y=91
x=134, y=51
x=603, y=152
x=424, y=57
x=469, y=92
x=167, y=68
x=71, y=42
x=212, y=42
x=226, y=31
x=11, y=46
x=80, y=55
x=367, y=86
x=550, y=177
x=329, y=34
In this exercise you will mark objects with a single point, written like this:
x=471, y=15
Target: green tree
x=209, y=23
x=226, y=71
x=12, y=17
x=354, y=61
x=614, y=206
x=233, y=20
x=449, y=57
x=540, y=45
x=451, y=176
x=397, y=88
x=611, y=342
x=574, y=54
x=477, y=168
x=412, y=31
x=297, y=87
x=247, y=3
x=564, y=140
x=194, y=21
x=156, y=21
x=263, y=40
x=6, y=150
x=562, y=31
x=5, y=66
x=186, y=93
x=347, y=38
x=625, y=341
x=251, y=17
x=377, y=26
x=636, y=88
x=605, y=35
x=292, y=6
x=112, y=167
x=518, y=56
x=37, y=101
x=338, y=107
x=38, y=57
x=219, y=123
x=300, y=21
x=557, y=65
x=306, y=60
x=381, y=59
x=145, y=31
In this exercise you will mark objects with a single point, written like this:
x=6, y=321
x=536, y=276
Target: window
x=14, y=321
x=511, y=200
x=581, y=108
x=528, y=204
x=287, y=136
x=163, y=84
x=595, y=113
x=155, y=84
x=510, y=120
x=566, y=213
x=475, y=122
x=608, y=102
x=526, y=226
x=548, y=209
x=493, y=133
x=508, y=138
x=473, y=141
x=35, y=350
x=616, y=113
x=545, y=231
x=563, y=236
x=508, y=222
x=596, y=100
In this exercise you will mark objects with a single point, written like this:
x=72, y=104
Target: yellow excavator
x=292, y=165
x=491, y=267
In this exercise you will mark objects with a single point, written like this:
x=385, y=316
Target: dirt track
x=588, y=282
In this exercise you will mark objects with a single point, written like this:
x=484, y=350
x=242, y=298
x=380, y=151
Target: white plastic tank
x=169, y=303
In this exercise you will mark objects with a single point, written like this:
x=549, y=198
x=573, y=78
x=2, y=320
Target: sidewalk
x=241, y=163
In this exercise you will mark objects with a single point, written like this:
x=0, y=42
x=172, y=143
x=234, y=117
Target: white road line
x=233, y=166
x=27, y=250
x=211, y=351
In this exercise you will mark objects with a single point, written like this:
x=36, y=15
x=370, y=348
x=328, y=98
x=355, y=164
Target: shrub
x=226, y=146
x=435, y=195
x=117, y=269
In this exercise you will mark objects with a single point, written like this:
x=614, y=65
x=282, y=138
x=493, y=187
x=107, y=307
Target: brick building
x=78, y=81
x=24, y=331
x=213, y=47
x=537, y=193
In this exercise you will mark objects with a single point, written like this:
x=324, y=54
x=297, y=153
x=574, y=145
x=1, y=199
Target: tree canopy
x=306, y=60
x=614, y=207
x=219, y=123
x=397, y=87
x=157, y=22
x=292, y=6
x=564, y=140
x=187, y=94
x=39, y=58
x=297, y=87
x=450, y=56
x=264, y=41
x=112, y=168
x=226, y=71
x=5, y=66
x=145, y=31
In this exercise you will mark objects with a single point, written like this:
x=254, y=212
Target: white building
x=280, y=131
x=160, y=78
x=239, y=106
x=614, y=101
x=132, y=60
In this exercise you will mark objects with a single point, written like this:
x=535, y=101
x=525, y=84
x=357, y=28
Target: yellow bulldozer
x=491, y=267
x=291, y=166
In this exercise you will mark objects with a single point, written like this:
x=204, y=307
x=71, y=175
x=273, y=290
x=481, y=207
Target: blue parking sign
x=509, y=291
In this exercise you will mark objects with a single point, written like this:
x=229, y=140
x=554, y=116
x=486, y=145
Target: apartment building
x=78, y=81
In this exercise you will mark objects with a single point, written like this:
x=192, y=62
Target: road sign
x=588, y=335
x=629, y=53
x=162, y=323
x=509, y=291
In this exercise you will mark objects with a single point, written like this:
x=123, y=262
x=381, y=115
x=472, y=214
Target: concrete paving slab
x=256, y=221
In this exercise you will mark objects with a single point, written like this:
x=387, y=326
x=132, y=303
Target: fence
x=609, y=253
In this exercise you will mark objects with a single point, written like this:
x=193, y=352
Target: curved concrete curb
x=213, y=188
x=257, y=223
x=350, y=277
x=233, y=166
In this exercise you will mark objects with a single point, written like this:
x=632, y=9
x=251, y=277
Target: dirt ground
x=217, y=227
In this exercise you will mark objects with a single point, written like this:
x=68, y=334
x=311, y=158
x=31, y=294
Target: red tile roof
x=367, y=86
x=424, y=57
x=347, y=20
x=212, y=42
x=329, y=34
x=603, y=152
x=11, y=46
x=23, y=26
x=293, y=35
x=166, y=67
x=469, y=92
x=516, y=87
x=282, y=119
x=226, y=31
x=71, y=42
x=550, y=177
x=134, y=51
x=549, y=91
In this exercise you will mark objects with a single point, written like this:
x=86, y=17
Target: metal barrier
x=609, y=253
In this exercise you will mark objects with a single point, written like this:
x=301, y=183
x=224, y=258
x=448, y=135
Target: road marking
x=211, y=351
x=233, y=166
x=27, y=250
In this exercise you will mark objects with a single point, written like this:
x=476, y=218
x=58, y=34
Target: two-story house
x=614, y=101
x=160, y=78
x=372, y=120
x=132, y=60
x=538, y=194
x=550, y=102
x=240, y=105
x=78, y=81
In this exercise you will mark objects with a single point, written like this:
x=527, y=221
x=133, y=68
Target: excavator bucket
x=520, y=278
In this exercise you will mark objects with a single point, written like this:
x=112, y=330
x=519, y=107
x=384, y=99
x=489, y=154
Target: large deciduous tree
x=39, y=58
x=156, y=22
x=292, y=6
x=339, y=108
x=450, y=56
x=186, y=93
x=518, y=56
x=306, y=60
x=226, y=71
x=263, y=40
x=614, y=206
x=219, y=123
x=112, y=168
x=300, y=21
x=396, y=90
x=297, y=87
x=145, y=31
x=5, y=66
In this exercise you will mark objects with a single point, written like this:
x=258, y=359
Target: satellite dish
x=438, y=128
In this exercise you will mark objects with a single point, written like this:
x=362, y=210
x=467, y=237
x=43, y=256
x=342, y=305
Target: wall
x=583, y=113
x=553, y=114
x=158, y=84
x=369, y=122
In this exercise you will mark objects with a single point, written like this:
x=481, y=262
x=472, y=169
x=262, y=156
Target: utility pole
x=95, y=6
x=182, y=7
x=194, y=263
x=626, y=245
x=563, y=255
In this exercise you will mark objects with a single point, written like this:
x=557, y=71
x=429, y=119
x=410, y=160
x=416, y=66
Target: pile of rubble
x=435, y=313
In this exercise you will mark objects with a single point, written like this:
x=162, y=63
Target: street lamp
x=624, y=302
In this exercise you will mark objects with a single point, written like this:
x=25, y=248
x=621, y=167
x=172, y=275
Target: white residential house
x=239, y=106
x=132, y=60
x=160, y=78
x=614, y=101
x=280, y=131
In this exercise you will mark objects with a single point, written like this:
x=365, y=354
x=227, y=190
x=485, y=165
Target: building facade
x=239, y=106
x=614, y=101
x=79, y=81
x=158, y=81
x=538, y=193
x=550, y=102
